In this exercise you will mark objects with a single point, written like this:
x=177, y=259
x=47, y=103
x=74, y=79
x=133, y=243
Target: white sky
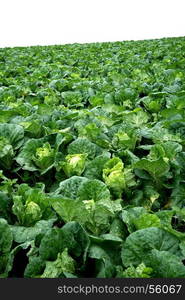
x=46, y=22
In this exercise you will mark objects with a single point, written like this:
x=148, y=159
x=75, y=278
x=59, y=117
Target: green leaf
x=70, y=209
x=140, y=243
x=94, y=168
x=104, y=265
x=130, y=215
x=63, y=263
x=6, y=239
x=147, y=220
x=51, y=244
x=23, y=234
x=13, y=133
x=35, y=267
x=93, y=190
x=166, y=264
x=5, y=206
x=156, y=168
x=69, y=187
x=75, y=239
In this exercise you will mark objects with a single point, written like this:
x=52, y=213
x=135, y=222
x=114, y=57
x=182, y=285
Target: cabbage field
x=92, y=160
